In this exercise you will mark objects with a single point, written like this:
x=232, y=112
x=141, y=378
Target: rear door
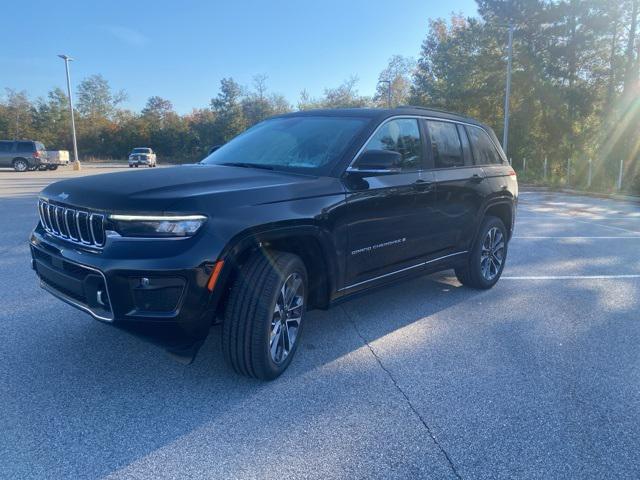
x=389, y=213
x=500, y=180
x=459, y=184
x=6, y=155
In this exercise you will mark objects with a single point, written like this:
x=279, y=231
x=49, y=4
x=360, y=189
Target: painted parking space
x=537, y=378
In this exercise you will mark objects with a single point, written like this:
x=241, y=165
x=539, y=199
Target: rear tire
x=20, y=165
x=487, y=256
x=264, y=315
x=52, y=167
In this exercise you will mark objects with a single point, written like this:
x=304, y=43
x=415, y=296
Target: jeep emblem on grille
x=63, y=196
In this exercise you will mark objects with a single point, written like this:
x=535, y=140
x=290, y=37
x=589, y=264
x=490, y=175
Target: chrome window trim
x=351, y=168
x=421, y=264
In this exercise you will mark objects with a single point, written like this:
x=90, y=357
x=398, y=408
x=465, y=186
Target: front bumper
x=161, y=298
x=142, y=161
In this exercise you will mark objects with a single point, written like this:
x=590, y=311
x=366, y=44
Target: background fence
x=580, y=173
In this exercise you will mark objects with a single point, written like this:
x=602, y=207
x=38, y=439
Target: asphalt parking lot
x=536, y=378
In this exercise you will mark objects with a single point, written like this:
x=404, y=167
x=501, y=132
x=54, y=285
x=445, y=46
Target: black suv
x=296, y=213
x=22, y=155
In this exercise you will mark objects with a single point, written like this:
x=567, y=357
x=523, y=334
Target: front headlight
x=157, y=226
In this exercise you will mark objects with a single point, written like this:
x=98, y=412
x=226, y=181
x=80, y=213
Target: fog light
x=156, y=294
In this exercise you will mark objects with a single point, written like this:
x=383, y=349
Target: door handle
x=475, y=178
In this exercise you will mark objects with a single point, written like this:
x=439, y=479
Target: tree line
x=575, y=92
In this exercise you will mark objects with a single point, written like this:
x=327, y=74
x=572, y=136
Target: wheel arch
x=308, y=241
x=504, y=209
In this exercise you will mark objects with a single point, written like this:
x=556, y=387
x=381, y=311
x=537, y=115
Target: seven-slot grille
x=74, y=225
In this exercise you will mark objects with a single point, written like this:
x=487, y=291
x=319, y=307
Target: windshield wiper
x=247, y=165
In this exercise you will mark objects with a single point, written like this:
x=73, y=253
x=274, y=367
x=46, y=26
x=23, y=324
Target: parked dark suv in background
x=22, y=155
x=298, y=212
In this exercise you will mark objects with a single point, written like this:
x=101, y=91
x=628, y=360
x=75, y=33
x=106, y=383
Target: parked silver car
x=142, y=156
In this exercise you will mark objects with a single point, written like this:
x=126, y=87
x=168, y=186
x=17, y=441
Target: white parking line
x=569, y=277
x=583, y=221
x=536, y=237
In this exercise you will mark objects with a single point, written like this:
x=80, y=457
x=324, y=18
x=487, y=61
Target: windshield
x=304, y=144
x=141, y=150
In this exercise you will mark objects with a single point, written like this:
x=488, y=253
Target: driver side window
x=402, y=136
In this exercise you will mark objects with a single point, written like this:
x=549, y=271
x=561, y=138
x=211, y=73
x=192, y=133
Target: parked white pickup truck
x=142, y=156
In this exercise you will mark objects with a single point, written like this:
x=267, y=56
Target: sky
x=181, y=49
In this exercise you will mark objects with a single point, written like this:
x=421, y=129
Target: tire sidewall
x=489, y=223
x=294, y=265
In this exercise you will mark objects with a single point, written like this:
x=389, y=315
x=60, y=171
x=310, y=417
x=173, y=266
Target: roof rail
x=433, y=109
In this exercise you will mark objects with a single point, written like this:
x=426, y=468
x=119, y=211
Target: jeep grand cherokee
x=296, y=213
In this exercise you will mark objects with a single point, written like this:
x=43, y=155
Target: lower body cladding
x=173, y=308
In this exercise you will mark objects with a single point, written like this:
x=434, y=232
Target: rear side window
x=445, y=144
x=402, y=136
x=5, y=147
x=484, y=151
x=25, y=146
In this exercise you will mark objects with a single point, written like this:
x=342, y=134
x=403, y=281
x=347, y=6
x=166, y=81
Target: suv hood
x=156, y=190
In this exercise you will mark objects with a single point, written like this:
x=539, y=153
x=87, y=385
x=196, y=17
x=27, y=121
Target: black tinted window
x=445, y=144
x=484, y=151
x=25, y=146
x=5, y=146
x=402, y=136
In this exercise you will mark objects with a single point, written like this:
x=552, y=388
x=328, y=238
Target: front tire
x=487, y=256
x=52, y=167
x=264, y=315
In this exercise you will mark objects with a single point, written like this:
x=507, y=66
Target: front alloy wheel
x=287, y=317
x=264, y=315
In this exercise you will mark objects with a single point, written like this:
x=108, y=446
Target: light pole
x=388, y=82
x=505, y=136
x=76, y=163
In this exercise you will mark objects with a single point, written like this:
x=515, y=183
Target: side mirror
x=213, y=149
x=378, y=160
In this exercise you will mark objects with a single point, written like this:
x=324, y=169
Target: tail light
x=512, y=172
x=36, y=154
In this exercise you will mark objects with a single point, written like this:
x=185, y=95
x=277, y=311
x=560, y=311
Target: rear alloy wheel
x=20, y=165
x=264, y=314
x=487, y=256
x=492, y=255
